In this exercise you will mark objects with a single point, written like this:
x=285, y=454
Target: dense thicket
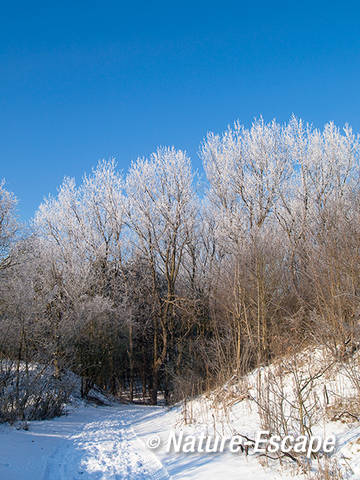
x=142, y=285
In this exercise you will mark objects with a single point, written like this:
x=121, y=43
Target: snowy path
x=94, y=443
x=106, y=449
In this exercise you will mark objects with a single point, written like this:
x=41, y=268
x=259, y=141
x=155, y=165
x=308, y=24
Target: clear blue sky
x=81, y=81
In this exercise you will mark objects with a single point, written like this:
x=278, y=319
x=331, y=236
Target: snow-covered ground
x=112, y=441
x=91, y=442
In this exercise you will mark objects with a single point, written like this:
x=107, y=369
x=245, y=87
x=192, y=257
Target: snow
x=89, y=443
x=198, y=466
x=111, y=441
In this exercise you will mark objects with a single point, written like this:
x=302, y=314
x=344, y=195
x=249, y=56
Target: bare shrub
x=32, y=394
x=329, y=469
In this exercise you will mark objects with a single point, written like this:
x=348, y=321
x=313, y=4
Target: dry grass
x=329, y=469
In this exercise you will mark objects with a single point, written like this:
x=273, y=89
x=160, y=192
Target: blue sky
x=81, y=81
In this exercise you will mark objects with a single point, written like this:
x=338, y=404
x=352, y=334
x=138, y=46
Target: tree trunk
x=154, y=389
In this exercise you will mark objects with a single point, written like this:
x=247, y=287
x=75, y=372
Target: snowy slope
x=197, y=466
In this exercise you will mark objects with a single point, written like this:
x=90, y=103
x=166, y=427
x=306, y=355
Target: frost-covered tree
x=8, y=224
x=161, y=212
x=326, y=168
x=80, y=232
x=248, y=170
x=272, y=191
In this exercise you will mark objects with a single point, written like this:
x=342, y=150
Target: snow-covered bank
x=197, y=466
